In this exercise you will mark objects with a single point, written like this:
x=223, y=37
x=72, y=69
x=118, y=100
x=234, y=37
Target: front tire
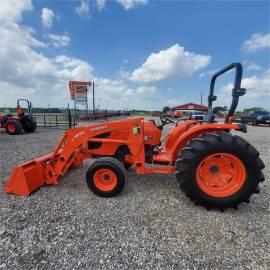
x=106, y=177
x=219, y=170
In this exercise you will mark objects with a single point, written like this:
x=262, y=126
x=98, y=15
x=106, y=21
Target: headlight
x=259, y=117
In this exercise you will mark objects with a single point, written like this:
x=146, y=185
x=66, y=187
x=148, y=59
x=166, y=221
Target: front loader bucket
x=25, y=178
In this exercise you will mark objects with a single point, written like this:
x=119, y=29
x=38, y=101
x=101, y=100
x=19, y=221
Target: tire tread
x=193, y=153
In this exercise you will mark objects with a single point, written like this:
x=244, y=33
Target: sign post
x=78, y=92
x=93, y=98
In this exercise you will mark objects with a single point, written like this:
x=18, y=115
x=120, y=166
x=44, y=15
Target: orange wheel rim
x=105, y=179
x=11, y=128
x=221, y=175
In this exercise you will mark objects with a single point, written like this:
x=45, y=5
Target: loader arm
x=71, y=150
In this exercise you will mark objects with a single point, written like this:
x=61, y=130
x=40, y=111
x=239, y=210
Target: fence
x=98, y=115
x=59, y=120
x=68, y=120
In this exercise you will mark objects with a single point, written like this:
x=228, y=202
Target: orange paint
x=221, y=175
x=104, y=139
x=11, y=128
x=105, y=180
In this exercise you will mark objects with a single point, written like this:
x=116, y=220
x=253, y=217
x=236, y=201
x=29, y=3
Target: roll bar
x=237, y=91
x=29, y=104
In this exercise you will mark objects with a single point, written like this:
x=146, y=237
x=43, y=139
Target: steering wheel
x=166, y=121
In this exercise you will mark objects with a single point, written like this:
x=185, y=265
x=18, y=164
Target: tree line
x=223, y=109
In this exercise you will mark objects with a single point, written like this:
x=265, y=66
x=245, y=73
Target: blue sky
x=142, y=54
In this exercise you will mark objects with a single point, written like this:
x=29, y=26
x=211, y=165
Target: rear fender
x=196, y=131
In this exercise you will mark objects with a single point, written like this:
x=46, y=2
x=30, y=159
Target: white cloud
x=119, y=89
x=83, y=10
x=253, y=67
x=12, y=12
x=59, y=41
x=118, y=95
x=128, y=4
x=47, y=17
x=172, y=62
x=27, y=73
x=258, y=91
x=257, y=86
x=203, y=74
x=172, y=102
x=256, y=42
x=207, y=73
x=100, y=4
x=248, y=65
x=146, y=90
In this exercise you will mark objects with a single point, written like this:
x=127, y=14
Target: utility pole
x=87, y=111
x=201, y=98
x=93, y=98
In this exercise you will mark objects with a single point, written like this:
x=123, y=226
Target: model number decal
x=77, y=135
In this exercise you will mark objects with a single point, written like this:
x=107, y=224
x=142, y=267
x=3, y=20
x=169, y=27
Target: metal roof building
x=190, y=107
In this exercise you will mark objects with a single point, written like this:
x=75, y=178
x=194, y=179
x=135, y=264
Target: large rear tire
x=106, y=177
x=219, y=170
x=29, y=124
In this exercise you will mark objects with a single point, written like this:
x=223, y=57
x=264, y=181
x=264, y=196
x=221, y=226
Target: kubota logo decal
x=98, y=128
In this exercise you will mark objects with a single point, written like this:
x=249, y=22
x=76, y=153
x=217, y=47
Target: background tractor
x=15, y=124
x=214, y=168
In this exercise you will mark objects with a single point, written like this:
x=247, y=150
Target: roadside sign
x=81, y=99
x=78, y=93
x=78, y=87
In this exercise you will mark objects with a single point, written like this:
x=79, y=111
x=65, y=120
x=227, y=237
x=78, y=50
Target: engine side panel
x=152, y=133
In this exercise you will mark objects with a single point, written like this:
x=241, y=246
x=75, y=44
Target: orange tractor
x=214, y=168
x=15, y=124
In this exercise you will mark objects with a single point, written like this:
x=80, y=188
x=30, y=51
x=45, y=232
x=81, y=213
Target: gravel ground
x=151, y=225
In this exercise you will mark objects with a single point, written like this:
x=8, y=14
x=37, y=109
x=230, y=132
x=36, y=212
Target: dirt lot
x=151, y=225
